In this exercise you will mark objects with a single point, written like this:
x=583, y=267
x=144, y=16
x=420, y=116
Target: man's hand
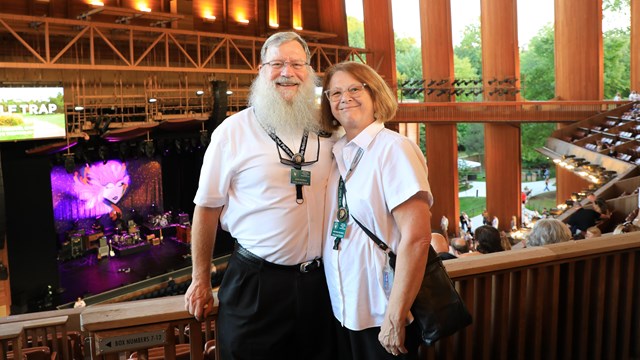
x=198, y=300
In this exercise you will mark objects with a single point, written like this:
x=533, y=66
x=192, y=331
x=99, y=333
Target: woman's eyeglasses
x=354, y=91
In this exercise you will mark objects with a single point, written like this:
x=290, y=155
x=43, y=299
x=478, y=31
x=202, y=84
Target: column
x=441, y=139
x=579, y=63
x=500, y=60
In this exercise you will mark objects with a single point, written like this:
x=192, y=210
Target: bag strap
x=376, y=240
x=433, y=256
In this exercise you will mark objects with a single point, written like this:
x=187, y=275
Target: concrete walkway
x=479, y=189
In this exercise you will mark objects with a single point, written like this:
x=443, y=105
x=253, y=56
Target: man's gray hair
x=548, y=231
x=280, y=38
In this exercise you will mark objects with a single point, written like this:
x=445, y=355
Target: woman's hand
x=392, y=336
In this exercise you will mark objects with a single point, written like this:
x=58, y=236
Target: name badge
x=300, y=177
x=339, y=229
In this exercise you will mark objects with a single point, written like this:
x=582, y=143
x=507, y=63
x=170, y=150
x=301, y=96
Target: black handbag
x=438, y=307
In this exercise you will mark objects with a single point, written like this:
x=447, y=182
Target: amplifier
x=183, y=233
x=76, y=246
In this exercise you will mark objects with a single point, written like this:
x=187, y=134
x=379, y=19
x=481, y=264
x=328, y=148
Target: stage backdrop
x=97, y=190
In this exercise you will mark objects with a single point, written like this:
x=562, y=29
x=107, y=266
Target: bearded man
x=263, y=177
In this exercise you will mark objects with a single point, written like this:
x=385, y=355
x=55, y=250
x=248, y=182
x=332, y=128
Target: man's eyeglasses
x=354, y=91
x=278, y=64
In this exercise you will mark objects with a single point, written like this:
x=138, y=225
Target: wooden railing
x=573, y=300
x=501, y=111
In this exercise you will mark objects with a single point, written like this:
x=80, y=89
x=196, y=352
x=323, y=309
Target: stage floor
x=89, y=276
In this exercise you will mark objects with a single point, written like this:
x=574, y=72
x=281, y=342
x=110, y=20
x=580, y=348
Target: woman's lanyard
x=339, y=228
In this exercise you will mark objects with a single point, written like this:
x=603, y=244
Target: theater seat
x=157, y=353
x=36, y=353
x=210, y=350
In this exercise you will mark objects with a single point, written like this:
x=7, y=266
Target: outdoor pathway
x=479, y=189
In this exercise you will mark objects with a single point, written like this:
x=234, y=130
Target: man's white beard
x=285, y=117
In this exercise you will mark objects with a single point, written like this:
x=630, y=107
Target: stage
x=89, y=276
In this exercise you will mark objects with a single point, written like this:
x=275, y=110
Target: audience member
x=504, y=241
x=583, y=219
x=625, y=228
x=488, y=239
x=633, y=96
x=444, y=226
x=548, y=231
x=485, y=217
x=593, y=232
x=460, y=247
x=79, y=303
x=618, y=97
x=441, y=246
x=495, y=222
x=465, y=222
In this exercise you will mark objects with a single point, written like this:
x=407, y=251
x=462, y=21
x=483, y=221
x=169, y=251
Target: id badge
x=339, y=229
x=300, y=177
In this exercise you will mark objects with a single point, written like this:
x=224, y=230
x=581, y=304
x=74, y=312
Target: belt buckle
x=307, y=266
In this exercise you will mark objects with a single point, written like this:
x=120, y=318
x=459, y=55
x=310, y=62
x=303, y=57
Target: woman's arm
x=413, y=218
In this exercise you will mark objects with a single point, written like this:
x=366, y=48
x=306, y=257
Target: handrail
x=523, y=303
x=494, y=262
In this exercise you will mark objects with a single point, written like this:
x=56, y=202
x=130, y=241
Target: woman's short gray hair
x=280, y=38
x=548, y=231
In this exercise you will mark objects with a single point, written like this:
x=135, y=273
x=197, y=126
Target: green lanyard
x=340, y=226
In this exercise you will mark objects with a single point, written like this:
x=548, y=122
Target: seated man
x=441, y=246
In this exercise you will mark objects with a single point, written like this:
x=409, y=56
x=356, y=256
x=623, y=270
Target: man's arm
x=198, y=298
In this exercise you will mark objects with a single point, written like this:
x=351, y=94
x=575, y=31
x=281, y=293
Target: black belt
x=304, y=267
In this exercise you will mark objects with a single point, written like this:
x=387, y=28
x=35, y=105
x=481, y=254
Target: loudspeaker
x=65, y=251
x=4, y=273
x=220, y=104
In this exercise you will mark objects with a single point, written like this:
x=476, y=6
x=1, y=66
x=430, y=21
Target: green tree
x=471, y=138
x=533, y=136
x=408, y=64
x=617, y=66
x=355, y=31
x=470, y=48
x=537, y=68
x=615, y=5
x=465, y=70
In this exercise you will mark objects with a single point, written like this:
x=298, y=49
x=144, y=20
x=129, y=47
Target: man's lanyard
x=340, y=226
x=299, y=177
x=297, y=158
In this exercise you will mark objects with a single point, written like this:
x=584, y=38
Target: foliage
x=465, y=70
x=615, y=5
x=537, y=66
x=11, y=120
x=533, y=136
x=355, y=32
x=617, y=66
x=470, y=48
x=408, y=63
x=471, y=137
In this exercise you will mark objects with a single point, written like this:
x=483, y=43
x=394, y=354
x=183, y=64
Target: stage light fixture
x=78, y=108
x=152, y=100
x=149, y=149
x=229, y=92
x=204, y=137
x=69, y=163
x=103, y=153
x=199, y=92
